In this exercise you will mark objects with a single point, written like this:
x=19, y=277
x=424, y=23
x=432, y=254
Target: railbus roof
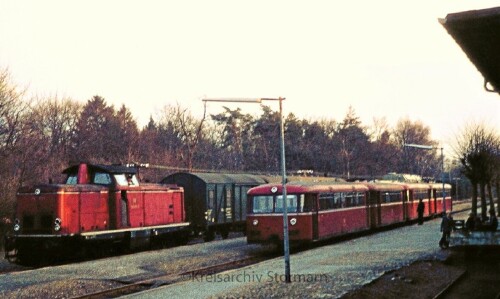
x=312, y=187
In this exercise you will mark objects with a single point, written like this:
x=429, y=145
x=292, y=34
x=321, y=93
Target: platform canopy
x=477, y=32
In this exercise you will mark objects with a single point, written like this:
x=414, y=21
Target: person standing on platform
x=446, y=228
x=470, y=223
x=420, y=212
x=492, y=221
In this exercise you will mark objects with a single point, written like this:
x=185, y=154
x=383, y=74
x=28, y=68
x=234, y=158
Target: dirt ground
x=419, y=280
x=477, y=276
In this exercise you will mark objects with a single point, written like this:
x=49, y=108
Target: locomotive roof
x=225, y=178
x=477, y=32
x=105, y=168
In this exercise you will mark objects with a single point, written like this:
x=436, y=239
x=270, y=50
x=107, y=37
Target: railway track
x=446, y=290
x=135, y=283
x=162, y=280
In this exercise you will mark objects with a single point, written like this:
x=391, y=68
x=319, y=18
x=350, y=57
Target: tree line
x=39, y=137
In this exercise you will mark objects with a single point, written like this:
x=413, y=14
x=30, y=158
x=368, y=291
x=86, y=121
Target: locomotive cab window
x=72, y=179
x=126, y=179
x=102, y=178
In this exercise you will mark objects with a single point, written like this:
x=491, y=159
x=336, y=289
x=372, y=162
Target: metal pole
x=285, y=204
x=442, y=179
x=283, y=171
x=442, y=165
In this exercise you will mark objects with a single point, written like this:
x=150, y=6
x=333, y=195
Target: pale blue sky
x=383, y=58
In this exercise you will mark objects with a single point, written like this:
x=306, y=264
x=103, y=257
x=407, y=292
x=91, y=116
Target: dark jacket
x=447, y=224
x=420, y=208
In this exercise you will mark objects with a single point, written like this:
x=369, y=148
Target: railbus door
x=315, y=207
x=373, y=205
x=432, y=201
x=308, y=204
x=406, y=202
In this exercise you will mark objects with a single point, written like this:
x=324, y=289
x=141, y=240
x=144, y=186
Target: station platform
x=327, y=271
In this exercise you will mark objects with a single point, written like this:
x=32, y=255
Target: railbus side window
x=392, y=197
x=262, y=204
x=340, y=199
x=360, y=198
x=353, y=199
x=420, y=194
x=328, y=201
x=350, y=199
x=439, y=192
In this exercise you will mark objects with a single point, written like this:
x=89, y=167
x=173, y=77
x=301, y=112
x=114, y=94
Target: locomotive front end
x=37, y=211
x=38, y=223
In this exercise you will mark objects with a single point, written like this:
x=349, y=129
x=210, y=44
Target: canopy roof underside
x=477, y=32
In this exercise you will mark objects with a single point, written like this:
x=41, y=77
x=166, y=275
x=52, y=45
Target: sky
x=384, y=58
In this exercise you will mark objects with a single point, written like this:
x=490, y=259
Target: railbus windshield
x=264, y=204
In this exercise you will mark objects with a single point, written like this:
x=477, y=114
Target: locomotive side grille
x=42, y=224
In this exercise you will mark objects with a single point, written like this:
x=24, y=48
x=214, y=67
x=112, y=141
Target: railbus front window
x=291, y=204
x=262, y=204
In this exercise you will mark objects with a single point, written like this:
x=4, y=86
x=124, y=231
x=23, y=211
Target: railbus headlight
x=255, y=222
x=57, y=224
x=293, y=221
x=17, y=225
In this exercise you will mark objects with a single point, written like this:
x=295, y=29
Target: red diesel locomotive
x=318, y=211
x=98, y=208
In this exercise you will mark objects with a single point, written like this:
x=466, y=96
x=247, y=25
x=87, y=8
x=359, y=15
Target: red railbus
x=386, y=203
x=318, y=211
x=437, y=196
x=417, y=192
x=315, y=211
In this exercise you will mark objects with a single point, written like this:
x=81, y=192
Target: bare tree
x=237, y=129
x=352, y=144
x=411, y=160
x=13, y=107
x=187, y=128
x=51, y=125
x=477, y=149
